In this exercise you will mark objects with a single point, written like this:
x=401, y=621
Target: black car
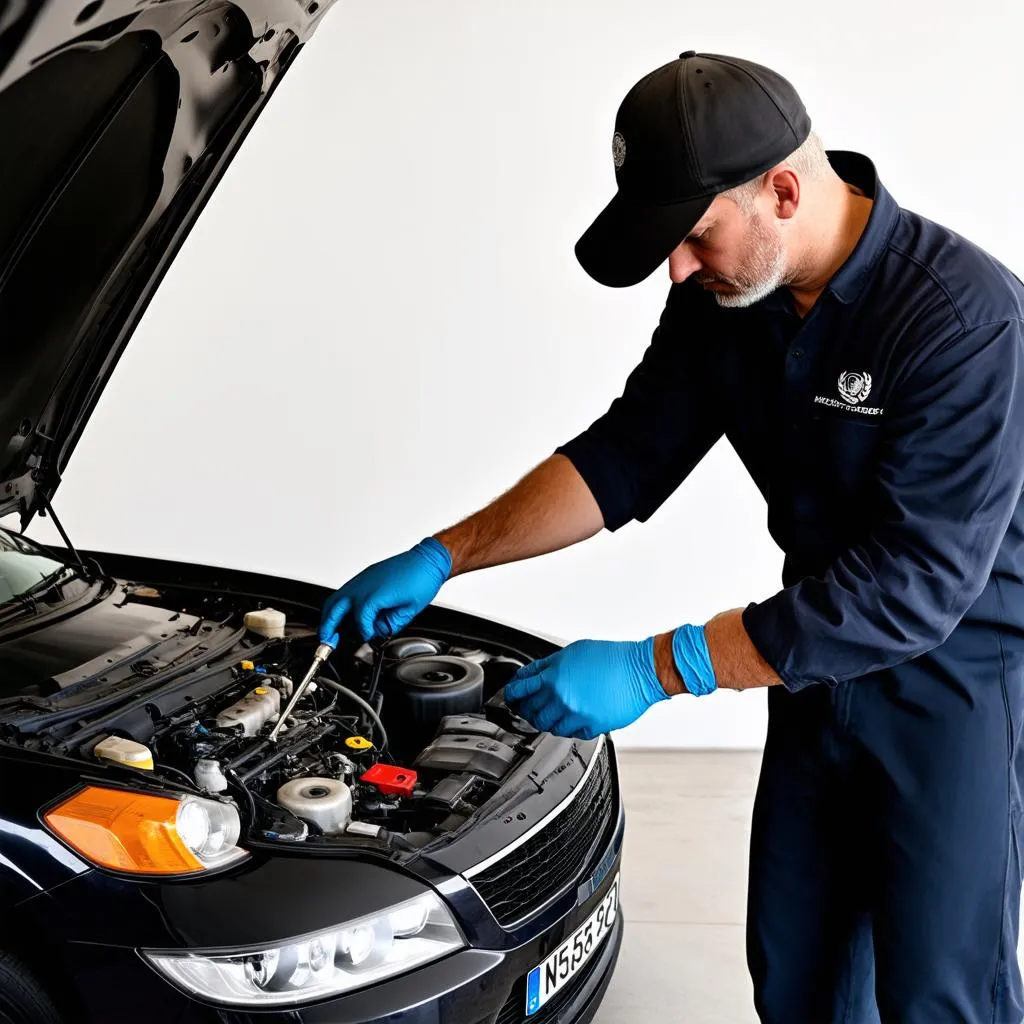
x=180, y=838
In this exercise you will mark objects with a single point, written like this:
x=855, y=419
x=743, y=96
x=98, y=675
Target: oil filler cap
x=390, y=779
x=358, y=743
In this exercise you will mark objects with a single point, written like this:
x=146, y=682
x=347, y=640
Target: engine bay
x=397, y=741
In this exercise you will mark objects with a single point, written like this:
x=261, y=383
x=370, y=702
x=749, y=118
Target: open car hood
x=117, y=119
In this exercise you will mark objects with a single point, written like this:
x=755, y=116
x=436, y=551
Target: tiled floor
x=684, y=888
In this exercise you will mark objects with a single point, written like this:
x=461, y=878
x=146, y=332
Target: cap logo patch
x=854, y=386
x=618, y=149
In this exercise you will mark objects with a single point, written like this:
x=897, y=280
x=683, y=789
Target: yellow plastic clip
x=358, y=743
x=246, y=666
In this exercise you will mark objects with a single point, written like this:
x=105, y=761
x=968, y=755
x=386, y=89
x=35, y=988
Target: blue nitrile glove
x=386, y=596
x=693, y=661
x=587, y=688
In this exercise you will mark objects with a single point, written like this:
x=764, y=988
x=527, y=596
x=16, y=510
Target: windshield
x=23, y=565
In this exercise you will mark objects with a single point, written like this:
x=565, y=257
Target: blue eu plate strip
x=533, y=992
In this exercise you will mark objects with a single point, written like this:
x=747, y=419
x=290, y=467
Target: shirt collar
x=848, y=282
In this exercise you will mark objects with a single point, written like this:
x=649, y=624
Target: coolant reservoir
x=122, y=751
x=267, y=622
x=325, y=802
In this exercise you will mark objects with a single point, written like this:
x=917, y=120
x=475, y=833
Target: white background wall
x=383, y=294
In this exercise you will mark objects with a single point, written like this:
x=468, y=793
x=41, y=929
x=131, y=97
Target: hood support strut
x=48, y=510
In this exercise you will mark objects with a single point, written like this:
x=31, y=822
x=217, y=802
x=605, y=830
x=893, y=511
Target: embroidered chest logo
x=854, y=386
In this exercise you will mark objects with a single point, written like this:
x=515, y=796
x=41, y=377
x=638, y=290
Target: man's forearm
x=549, y=509
x=736, y=661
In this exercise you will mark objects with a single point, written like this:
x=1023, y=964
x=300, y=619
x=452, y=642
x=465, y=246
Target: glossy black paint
x=81, y=928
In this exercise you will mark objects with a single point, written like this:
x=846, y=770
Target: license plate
x=545, y=980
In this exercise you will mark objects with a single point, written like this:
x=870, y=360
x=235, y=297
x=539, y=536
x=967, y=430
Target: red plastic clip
x=391, y=780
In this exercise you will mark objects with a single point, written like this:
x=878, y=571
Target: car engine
x=401, y=741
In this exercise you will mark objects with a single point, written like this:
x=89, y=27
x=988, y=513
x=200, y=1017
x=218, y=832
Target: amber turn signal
x=141, y=833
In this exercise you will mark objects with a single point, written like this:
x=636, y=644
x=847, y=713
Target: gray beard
x=763, y=270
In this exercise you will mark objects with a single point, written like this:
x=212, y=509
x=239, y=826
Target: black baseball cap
x=693, y=128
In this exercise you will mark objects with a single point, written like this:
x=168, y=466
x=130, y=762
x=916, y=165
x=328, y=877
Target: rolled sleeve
x=665, y=421
x=950, y=475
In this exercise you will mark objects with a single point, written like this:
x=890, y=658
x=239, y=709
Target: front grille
x=514, y=1010
x=531, y=874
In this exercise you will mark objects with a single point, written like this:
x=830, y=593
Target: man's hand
x=594, y=686
x=589, y=687
x=385, y=597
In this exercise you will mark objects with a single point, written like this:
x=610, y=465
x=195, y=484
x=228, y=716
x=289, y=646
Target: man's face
x=736, y=255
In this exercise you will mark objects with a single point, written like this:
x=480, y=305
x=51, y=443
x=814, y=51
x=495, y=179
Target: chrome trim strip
x=544, y=822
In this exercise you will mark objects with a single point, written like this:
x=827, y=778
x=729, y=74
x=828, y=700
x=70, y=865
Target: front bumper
x=485, y=986
x=473, y=986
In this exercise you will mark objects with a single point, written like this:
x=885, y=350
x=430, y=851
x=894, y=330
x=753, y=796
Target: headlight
x=356, y=954
x=142, y=833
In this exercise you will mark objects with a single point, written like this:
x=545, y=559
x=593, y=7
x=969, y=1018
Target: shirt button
x=797, y=353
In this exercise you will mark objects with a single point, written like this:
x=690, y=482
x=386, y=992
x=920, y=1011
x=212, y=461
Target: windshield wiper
x=49, y=581
x=27, y=601
x=77, y=568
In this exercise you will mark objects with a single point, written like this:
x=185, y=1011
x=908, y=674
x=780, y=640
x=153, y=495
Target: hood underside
x=117, y=119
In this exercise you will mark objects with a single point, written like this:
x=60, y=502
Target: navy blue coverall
x=886, y=431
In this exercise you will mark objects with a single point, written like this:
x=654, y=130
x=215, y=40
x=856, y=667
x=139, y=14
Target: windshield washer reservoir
x=122, y=751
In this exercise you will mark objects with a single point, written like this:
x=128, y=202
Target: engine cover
x=469, y=743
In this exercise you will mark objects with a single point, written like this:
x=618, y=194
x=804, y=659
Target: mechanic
x=866, y=365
